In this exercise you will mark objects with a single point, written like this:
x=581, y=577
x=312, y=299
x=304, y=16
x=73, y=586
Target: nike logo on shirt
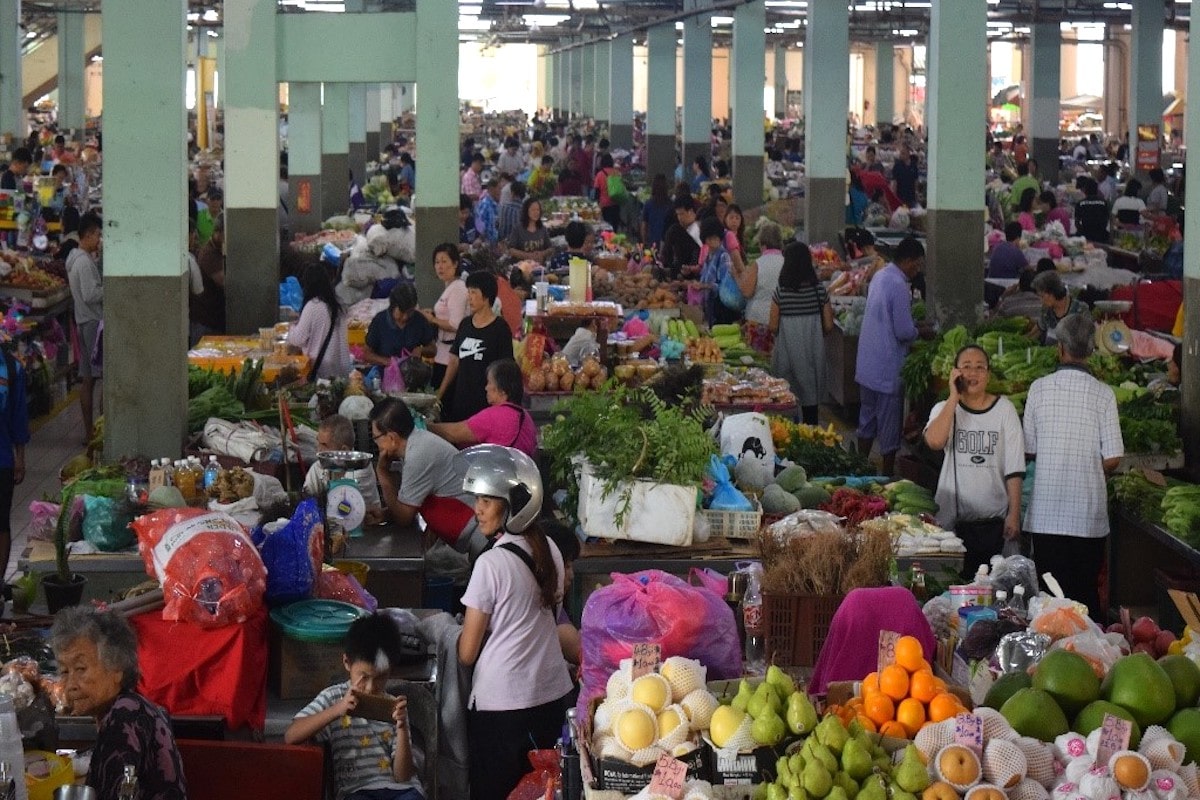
x=471, y=348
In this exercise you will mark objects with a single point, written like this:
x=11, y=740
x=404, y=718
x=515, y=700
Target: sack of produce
x=725, y=496
x=293, y=555
x=656, y=608
x=210, y=572
x=747, y=437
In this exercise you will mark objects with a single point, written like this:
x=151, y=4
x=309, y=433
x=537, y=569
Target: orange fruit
x=909, y=653
x=894, y=729
x=923, y=686
x=911, y=714
x=870, y=685
x=867, y=723
x=893, y=681
x=943, y=706
x=879, y=708
x=940, y=684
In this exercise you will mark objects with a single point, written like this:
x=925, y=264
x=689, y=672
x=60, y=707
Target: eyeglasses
x=377, y=436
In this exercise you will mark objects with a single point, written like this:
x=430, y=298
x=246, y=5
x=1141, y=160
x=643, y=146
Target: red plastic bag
x=655, y=608
x=334, y=585
x=542, y=780
x=210, y=571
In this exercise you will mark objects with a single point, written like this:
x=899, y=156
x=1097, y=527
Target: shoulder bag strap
x=316, y=365
x=512, y=547
x=513, y=443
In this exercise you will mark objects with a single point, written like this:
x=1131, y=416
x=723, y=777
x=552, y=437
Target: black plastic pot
x=61, y=595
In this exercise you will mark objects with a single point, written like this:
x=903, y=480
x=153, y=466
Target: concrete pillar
x=70, y=73
x=576, y=56
x=407, y=99
x=826, y=97
x=557, y=86
x=780, y=81
x=1189, y=417
x=587, y=82
x=304, y=156
x=387, y=113
x=660, y=99
x=335, y=149
x=372, y=121
x=546, y=93
x=697, y=85
x=12, y=109
x=885, y=83
x=357, y=120
x=437, y=131
x=749, y=64
x=620, y=82
x=603, y=92
x=251, y=97
x=1044, y=79
x=1145, y=85
x=957, y=70
x=145, y=228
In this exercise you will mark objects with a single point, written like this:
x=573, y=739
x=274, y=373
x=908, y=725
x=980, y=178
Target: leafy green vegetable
x=821, y=459
x=916, y=371
x=214, y=402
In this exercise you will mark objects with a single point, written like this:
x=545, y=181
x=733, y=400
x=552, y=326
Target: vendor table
x=561, y=327
x=1097, y=277
x=1142, y=559
x=842, y=351
x=228, y=353
x=11, y=225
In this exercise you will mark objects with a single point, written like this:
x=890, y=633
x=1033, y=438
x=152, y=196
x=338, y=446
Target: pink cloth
x=851, y=650
x=508, y=425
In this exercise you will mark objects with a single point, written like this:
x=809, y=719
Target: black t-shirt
x=8, y=180
x=1091, y=219
x=679, y=249
x=476, y=349
x=387, y=339
x=905, y=175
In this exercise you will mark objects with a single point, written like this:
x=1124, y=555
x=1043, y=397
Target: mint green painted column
x=12, y=110
x=748, y=82
x=1189, y=417
x=437, y=138
x=557, y=86
x=660, y=99
x=1145, y=90
x=304, y=155
x=335, y=149
x=576, y=56
x=885, y=83
x=1044, y=80
x=826, y=100
x=70, y=74
x=145, y=228
x=957, y=91
x=387, y=113
x=250, y=94
x=371, y=101
x=405, y=98
x=620, y=85
x=603, y=90
x=697, y=85
x=781, y=84
x=358, y=132
x=587, y=84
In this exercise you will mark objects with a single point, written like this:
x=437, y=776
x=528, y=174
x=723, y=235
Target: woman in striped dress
x=800, y=318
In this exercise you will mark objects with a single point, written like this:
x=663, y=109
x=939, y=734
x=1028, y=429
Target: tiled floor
x=56, y=439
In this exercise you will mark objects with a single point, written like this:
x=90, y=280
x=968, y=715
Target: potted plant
x=62, y=587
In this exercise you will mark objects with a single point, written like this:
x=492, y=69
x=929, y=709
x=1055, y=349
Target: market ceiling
x=563, y=22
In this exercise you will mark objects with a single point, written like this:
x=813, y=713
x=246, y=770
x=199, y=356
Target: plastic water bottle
x=211, y=472
x=1001, y=602
x=1017, y=603
x=11, y=749
x=752, y=615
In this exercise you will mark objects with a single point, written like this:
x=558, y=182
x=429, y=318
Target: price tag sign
x=646, y=658
x=887, y=648
x=669, y=774
x=1114, y=737
x=968, y=731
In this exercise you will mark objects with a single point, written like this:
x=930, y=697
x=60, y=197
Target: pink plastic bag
x=657, y=608
x=393, y=378
x=708, y=578
x=211, y=573
x=43, y=517
x=334, y=585
x=542, y=780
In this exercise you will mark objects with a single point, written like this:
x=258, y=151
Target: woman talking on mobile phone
x=979, y=488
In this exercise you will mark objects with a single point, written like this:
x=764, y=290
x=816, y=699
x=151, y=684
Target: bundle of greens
x=1181, y=512
x=1139, y=495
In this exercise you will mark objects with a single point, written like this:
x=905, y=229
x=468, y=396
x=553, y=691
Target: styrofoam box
x=662, y=513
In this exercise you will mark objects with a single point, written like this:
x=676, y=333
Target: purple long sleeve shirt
x=887, y=331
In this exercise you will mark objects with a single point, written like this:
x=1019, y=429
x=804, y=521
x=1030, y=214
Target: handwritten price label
x=668, y=777
x=887, y=648
x=968, y=731
x=646, y=658
x=1114, y=737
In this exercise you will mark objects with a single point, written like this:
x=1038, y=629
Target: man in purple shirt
x=887, y=331
x=1007, y=259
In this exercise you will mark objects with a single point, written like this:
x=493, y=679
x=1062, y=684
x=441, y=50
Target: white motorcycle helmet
x=509, y=475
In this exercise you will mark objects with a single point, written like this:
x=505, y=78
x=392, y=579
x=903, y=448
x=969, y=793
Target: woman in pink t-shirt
x=503, y=422
x=450, y=308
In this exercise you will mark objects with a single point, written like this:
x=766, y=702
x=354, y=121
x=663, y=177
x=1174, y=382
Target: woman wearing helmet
x=521, y=679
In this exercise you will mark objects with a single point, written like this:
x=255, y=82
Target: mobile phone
x=960, y=383
x=377, y=707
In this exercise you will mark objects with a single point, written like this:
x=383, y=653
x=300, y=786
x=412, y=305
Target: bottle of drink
x=169, y=470
x=916, y=583
x=572, y=779
x=1001, y=602
x=1017, y=603
x=211, y=472
x=129, y=784
x=11, y=751
x=8, y=784
x=752, y=614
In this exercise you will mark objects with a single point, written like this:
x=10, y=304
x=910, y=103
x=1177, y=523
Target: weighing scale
x=345, y=507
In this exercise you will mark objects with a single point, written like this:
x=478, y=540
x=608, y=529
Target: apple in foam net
x=958, y=764
x=940, y=790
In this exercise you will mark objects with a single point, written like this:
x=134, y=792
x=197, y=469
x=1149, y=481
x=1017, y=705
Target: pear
x=873, y=788
x=768, y=729
x=783, y=771
x=796, y=764
x=911, y=774
x=825, y=757
x=831, y=734
x=856, y=760
x=838, y=793
x=760, y=791
x=796, y=792
x=846, y=783
x=764, y=697
x=776, y=792
x=816, y=780
x=882, y=763
x=782, y=682
x=742, y=699
x=801, y=716
x=899, y=794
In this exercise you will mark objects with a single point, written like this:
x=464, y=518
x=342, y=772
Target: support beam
x=885, y=83
x=387, y=113
x=304, y=156
x=576, y=57
x=1145, y=89
x=12, y=110
x=749, y=65
x=826, y=98
x=145, y=228
x=251, y=98
x=1044, y=104
x=71, y=64
x=557, y=84
x=603, y=89
x=372, y=122
x=587, y=85
x=621, y=88
x=335, y=149
x=957, y=72
x=660, y=100
x=697, y=86
x=781, y=84
x=1189, y=417
x=358, y=133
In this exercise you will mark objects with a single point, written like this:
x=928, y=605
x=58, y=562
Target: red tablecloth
x=189, y=670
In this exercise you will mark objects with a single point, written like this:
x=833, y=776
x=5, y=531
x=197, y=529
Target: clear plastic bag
x=334, y=585
x=293, y=555
x=1099, y=650
x=1059, y=617
x=1015, y=570
x=43, y=517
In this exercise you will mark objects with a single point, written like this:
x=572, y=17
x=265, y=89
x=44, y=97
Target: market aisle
x=55, y=441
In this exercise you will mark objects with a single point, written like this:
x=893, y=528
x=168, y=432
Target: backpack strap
x=512, y=547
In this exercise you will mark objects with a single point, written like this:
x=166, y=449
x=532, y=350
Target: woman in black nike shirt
x=482, y=338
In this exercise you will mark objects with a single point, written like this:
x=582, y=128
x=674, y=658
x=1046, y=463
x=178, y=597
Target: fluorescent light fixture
x=211, y=15
x=96, y=59
x=678, y=26
x=470, y=10
x=787, y=3
x=474, y=24
x=193, y=16
x=545, y=20
x=716, y=21
x=31, y=35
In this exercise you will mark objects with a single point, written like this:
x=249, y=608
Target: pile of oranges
x=903, y=697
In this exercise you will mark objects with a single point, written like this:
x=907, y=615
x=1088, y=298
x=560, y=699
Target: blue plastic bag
x=290, y=294
x=293, y=555
x=106, y=523
x=726, y=496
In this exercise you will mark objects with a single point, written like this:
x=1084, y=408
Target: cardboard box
x=611, y=775
x=298, y=670
x=747, y=768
